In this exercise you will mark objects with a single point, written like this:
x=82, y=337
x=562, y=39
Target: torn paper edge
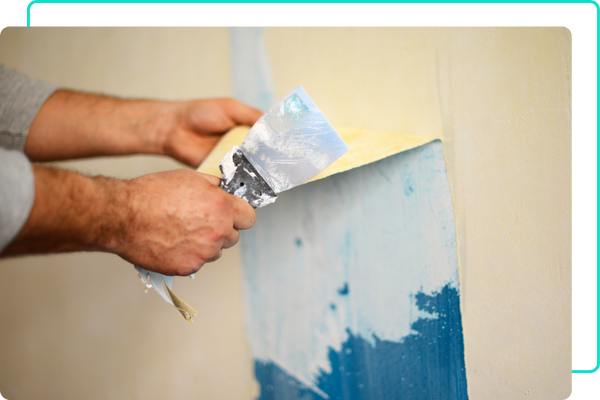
x=163, y=284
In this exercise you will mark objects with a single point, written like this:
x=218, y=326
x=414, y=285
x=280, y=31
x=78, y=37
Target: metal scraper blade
x=292, y=142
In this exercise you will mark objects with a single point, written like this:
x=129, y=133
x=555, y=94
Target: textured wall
x=499, y=99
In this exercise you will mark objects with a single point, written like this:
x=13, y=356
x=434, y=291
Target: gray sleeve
x=17, y=191
x=20, y=99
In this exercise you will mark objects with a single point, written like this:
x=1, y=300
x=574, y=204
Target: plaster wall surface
x=500, y=100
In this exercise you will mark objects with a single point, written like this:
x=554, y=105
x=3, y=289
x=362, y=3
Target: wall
x=501, y=101
x=506, y=111
x=498, y=97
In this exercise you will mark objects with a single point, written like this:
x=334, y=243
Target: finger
x=191, y=270
x=244, y=215
x=232, y=239
x=190, y=148
x=242, y=114
x=216, y=256
x=213, y=180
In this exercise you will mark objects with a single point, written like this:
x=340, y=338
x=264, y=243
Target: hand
x=170, y=222
x=74, y=125
x=181, y=220
x=198, y=125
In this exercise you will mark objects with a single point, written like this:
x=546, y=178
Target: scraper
x=288, y=145
x=291, y=143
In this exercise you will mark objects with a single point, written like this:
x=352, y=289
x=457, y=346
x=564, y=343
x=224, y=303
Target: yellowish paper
x=364, y=146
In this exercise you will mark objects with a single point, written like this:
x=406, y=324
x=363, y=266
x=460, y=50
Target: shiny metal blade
x=292, y=142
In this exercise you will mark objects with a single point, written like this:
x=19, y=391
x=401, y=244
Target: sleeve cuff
x=17, y=194
x=21, y=98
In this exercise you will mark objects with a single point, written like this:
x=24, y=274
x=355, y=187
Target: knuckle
x=218, y=234
x=221, y=203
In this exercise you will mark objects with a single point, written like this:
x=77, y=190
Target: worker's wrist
x=153, y=122
x=99, y=125
x=111, y=222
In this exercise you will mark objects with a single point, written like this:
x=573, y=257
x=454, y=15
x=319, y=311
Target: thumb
x=241, y=113
x=244, y=214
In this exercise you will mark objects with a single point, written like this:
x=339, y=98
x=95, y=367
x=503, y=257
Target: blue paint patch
x=426, y=364
x=277, y=384
x=298, y=242
x=343, y=291
x=387, y=231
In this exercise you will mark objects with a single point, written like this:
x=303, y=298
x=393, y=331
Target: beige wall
x=500, y=100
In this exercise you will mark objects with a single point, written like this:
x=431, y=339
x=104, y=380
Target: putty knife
x=291, y=143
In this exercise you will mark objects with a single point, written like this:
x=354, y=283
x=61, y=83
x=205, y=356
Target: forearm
x=170, y=222
x=74, y=125
x=72, y=212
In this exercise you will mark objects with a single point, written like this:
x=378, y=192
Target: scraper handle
x=241, y=179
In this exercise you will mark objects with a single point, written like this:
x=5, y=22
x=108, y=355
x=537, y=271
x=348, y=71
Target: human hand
x=196, y=126
x=74, y=125
x=170, y=222
x=180, y=220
